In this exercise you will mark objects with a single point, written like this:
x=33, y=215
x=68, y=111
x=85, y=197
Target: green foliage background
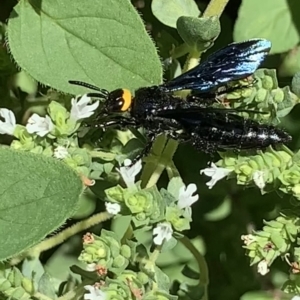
x=109, y=47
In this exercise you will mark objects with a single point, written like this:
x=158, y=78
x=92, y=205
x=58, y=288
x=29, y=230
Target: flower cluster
x=106, y=253
x=169, y=209
x=274, y=240
x=54, y=134
x=266, y=170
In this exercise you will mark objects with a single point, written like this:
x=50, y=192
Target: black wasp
x=194, y=120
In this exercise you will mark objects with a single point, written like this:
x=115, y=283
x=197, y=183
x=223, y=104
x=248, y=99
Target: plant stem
x=127, y=235
x=191, y=61
x=163, y=162
x=62, y=236
x=40, y=296
x=203, y=269
x=215, y=8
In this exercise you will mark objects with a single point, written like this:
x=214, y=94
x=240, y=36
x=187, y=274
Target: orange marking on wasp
x=127, y=98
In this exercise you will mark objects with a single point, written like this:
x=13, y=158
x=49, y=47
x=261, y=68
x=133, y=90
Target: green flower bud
x=119, y=261
x=26, y=140
x=278, y=95
x=267, y=82
x=290, y=177
x=244, y=169
x=141, y=216
x=86, y=257
x=143, y=277
x=174, y=216
x=70, y=162
x=57, y=112
x=246, y=92
x=101, y=252
x=115, y=193
x=125, y=251
x=139, y=202
x=59, y=115
x=253, y=164
x=117, y=290
x=296, y=191
x=242, y=179
x=28, y=285
x=228, y=161
x=261, y=95
x=80, y=156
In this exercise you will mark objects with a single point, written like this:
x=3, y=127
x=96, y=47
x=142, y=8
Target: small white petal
x=262, y=267
x=186, y=198
x=39, y=125
x=94, y=293
x=9, y=124
x=296, y=298
x=163, y=231
x=91, y=267
x=60, y=152
x=258, y=178
x=81, y=108
x=129, y=173
x=215, y=173
x=248, y=239
x=112, y=208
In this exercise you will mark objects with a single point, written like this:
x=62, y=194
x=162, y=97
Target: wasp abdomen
x=249, y=135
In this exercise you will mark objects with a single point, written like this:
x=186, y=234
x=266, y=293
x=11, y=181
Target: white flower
x=94, y=293
x=9, y=124
x=91, y=267
x=162, y=231
x=186, y=198
x=215, y=173
x=128, y=173
x=258, y=178
x=81, y=109
x=39, y=125
x=262, y=267
x=248, y=239
x=60, y=152
x=112, y=208
x=296, y=298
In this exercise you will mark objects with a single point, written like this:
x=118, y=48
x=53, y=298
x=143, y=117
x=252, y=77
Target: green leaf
x=221, y=212
x=168, y=11
x=103, y=43
x=169, y=245
x=263, y=19
x=46, y=286
x=290, y=64
x=257, y=295
x=174, y=186
x=162, y=280
x=37, y=195
x=199, y=33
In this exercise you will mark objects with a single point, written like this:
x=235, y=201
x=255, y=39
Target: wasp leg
x=119, y=122
x=152, y=136
x=145, y=150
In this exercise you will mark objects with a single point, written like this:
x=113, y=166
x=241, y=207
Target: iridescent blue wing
x=233, y=62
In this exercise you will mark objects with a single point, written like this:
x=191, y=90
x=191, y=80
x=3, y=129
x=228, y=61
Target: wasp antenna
x=97, y=95
x=89, y=86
